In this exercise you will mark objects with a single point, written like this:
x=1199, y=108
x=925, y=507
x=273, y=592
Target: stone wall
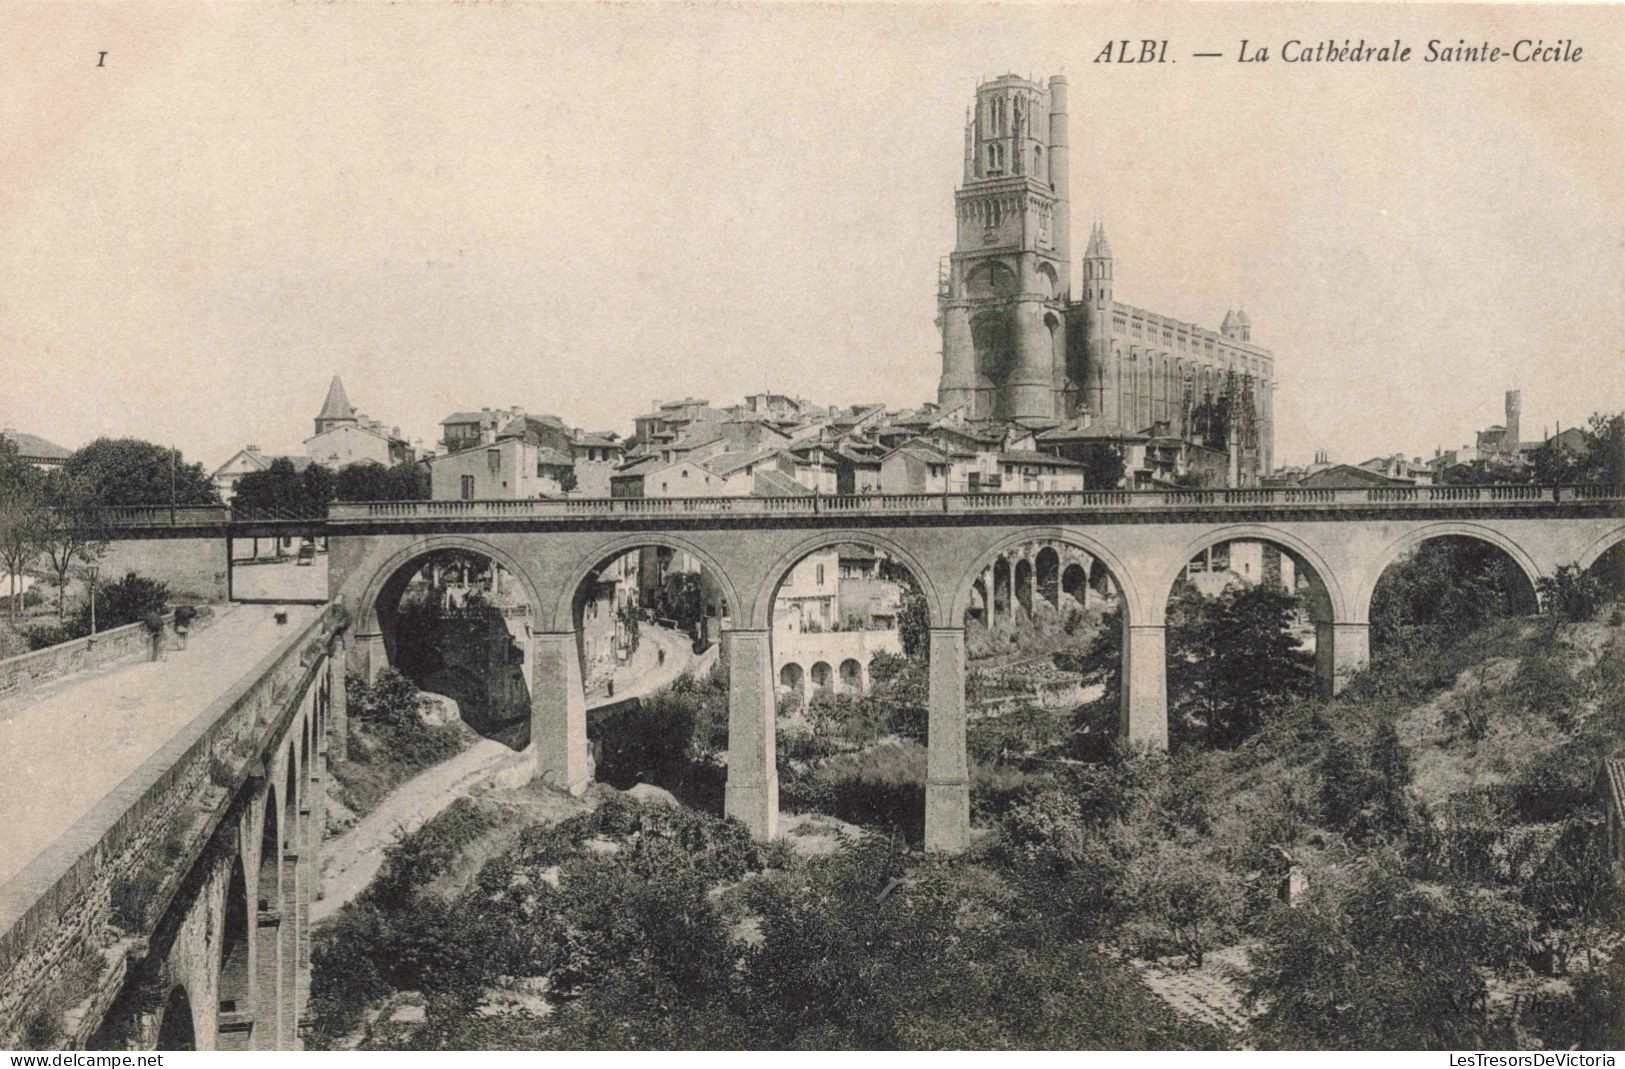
x=132, y=642
x=61, y=905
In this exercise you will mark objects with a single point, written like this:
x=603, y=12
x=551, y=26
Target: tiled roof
x=553, y=458
x=1028, y=456
x=469, y=417
x=596, y=438
x=728, y=463
x=33, y=447
x=1097, y=431
x=773, y=483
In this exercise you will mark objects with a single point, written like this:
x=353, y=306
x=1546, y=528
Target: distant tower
x=1236, y=325
x=336, y=409
x=1003, y=312
x=1509, y=441
x=1102, y=390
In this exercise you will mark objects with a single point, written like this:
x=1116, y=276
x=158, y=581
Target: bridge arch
x=176, y=1028
x=235, y=984
x=779, y=570
x=383, y=574
x=1331, y=585
x=564, y=606
x=1594, y=552
x=1134, y=607
x=1393, y=551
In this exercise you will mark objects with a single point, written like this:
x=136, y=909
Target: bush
x=132, y=898
x=129, y=600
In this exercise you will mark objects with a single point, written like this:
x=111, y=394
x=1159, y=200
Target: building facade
x=1017, y=343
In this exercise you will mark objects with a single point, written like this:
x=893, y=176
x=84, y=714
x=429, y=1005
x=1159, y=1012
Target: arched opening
x=1245, y=622
x=1075, y=583
x=851, y=677
x=1022, y=579
x=648, y=621
x=175, y=1028
x=979, y=605
x=1001, y=591
x=1042, y=687
x=1606, y=574
x=268, y=897
x=792, y=684
x=1047, y=575
x=457, y=624
x=866, y=678
x=1443, y=587
x=290, y=801
x=235, y=1016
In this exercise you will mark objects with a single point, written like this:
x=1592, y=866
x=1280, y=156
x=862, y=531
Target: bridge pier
x=1144, y=717
x=1340, y=650
x=558, y=713
x=947, y=773
x=369, y=656
x=753, y=778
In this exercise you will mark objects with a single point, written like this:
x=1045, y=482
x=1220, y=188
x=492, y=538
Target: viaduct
x=225, y=961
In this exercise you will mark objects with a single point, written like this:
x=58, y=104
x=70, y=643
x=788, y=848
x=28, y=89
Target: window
x=820, y=575
x=493, y=460
x=468, y=488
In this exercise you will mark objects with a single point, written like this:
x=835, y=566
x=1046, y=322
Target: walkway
x=351, y=860
x=70, y=743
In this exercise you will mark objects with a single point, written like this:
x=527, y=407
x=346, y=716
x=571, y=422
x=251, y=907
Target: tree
x=22, y=518
x=1599, y=458
x=1390, y=967
x=914, y=622
x=1446, y=588
x=282, y=489
x=70, y=531
x=1102, y=466
x=1232, y=661
x=1573, y=886
x=129, y=471
x=371, y=481
x=123, y=601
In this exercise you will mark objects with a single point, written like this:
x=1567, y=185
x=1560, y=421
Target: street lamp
x=90, y=574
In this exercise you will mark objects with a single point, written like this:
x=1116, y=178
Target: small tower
x=1097, y=270
x=336, y=410
x=1509, y=440
x=1101, y=388
x=1236, y=325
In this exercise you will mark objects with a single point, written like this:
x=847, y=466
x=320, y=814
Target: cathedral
x=1018, y=343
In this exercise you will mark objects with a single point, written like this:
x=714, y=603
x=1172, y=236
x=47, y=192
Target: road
x=70, y=743
x=350, y=861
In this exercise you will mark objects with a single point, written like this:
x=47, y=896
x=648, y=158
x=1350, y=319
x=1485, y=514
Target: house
x=597, y=454
x=32, y=449
x=915, y=468
x=1348, y=477
x=344, y=436
x=1029, y=471
x=248, y=459
x=511, y=468
x=1075, y=440
x=1397, y=466
x=461, y=430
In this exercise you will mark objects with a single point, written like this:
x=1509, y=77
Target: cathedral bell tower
x=1002, y=312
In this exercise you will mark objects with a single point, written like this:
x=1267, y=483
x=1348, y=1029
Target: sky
x=584, y=209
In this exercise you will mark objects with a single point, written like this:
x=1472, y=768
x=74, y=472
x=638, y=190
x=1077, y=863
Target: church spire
x=336, y=409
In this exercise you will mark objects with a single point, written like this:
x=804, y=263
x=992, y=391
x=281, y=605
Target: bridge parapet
x=1037, y=502
x=61, y=910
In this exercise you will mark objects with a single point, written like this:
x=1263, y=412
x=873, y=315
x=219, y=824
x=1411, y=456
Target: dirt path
x=351, y=860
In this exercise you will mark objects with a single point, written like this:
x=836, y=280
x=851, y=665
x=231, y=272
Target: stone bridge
x=173, y=914
x=954, y=545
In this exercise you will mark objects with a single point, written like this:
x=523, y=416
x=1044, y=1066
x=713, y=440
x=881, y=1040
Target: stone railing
x=132, y=642
x=1086, y=501
x=60, y=905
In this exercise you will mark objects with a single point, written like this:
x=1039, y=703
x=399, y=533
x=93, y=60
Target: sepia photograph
x=697, y=526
